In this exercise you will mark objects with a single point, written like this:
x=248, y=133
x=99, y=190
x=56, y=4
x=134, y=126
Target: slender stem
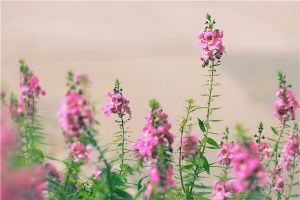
x=210, y=95
x=212, y=70
x=197, y=171
x=275, y=153
x=102, y=158
x=209, y=103
x=180, y=147
x=121, y=115
x=291, y=178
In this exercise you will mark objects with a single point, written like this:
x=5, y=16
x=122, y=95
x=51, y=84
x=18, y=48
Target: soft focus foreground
x=166, y=166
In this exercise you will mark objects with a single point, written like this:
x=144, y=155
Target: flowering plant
x=165, y=162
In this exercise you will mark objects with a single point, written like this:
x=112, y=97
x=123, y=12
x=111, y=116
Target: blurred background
x=152, y=48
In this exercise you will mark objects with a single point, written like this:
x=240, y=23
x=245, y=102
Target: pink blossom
x=290, y=150
x=225, y=154
x=75, y=114
x=264, y=150
x=160, y=178
x=279, y=183
x=246, y=165
x=189, y=145
x=286, y=104
x=97, y=173
x=145, y=146
x=30, y=88
x=211, y=44
x=80, y=151
x=156, y=131
x=24, y=183
x=235, y=186
x=219, y=190
x=117, y=103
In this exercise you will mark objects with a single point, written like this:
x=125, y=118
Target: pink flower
x=211, y=44
x=234, y=186
x=156, y=135
x=156, y=131
x=289, y=150
x=279, y=183
x=189, y=145
x=75, y=114
x=145, y=146
x=160, y=178
x=30, y=88
x=246, y=165
x=117, y=103
x=80, y=151
x=285, y=105
x=219, y=190
x=97, y=173
x=24, y=183
x=225, y=154
x=264, y=150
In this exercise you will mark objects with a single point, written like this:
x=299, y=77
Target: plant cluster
x=169, y=163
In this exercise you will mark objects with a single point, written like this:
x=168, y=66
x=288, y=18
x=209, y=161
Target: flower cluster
x=156, y=131
x=225, y=154
x=151, y=147
x=24, y=183
x=211, y=42
x=164, y=180
x=20, y=182
x=247, y=170
x=279, y=181
x=30, y=88
x=264, y=150
x=246, y=165
x=291, y=149
x=80, y=151
x=76, y=117
x=189, y=145
x=117, y=103
x=286, y=104
x=227, y=189
x=75, y=114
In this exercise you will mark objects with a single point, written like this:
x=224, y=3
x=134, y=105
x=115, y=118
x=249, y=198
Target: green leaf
x=204, y=164
x=187, y=167
x=202, y=187
x=202, y=198
x=201, y=125
x=274, y=130
x=200, y=194
x=211, y=142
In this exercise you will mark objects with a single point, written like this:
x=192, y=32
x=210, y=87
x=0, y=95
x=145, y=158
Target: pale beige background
x=152, y=48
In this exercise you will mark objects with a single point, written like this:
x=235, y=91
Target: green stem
x=275, y=153
x=121, y=115
x=207, y=121
x=102, y=158
x=180, y=147
x=291, y=178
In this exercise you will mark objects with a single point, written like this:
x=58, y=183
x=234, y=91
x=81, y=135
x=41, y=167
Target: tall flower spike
x=75, y=114
x=30, y=88
x=152, y=147
x=116, y=103
x=286, y=104
x=211, y=42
